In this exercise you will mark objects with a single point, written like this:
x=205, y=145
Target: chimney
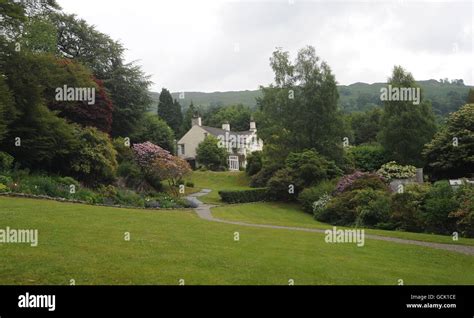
x=253, y=125
x=226, y=126
x=196, y=121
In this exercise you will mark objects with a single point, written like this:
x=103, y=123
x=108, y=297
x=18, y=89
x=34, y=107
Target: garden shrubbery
x=244, y=196
x=392, y=170
x=364, y=207
x=254, y=163
x=464, y=214
x=364, y=200
x=260, y=179
x=367, y=158
x=438, y=203
x=361, y=180
x=310, y=195
x=302, y=170
x=6, y=161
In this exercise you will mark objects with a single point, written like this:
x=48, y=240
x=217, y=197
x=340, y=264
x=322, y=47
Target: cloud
x=226, y=45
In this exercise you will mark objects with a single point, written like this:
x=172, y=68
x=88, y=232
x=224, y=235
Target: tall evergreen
x=177, y=122
x=166, y=106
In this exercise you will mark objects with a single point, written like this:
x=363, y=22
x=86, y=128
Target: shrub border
x=64, y=200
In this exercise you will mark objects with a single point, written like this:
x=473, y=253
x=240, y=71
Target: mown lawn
x=217, y=181
x=285, y=214
x=86, y=243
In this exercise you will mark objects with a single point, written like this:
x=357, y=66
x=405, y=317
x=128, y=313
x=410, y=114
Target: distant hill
x=445, y=97
x=247, y=98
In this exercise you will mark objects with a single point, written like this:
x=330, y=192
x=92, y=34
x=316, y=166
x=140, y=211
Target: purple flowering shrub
x=361, y=180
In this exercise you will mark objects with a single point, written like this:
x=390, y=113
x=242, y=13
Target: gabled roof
x=221, y=132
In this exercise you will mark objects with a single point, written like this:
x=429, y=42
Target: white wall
x=191, y=141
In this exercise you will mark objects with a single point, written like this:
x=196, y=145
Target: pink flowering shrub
x=147, y=153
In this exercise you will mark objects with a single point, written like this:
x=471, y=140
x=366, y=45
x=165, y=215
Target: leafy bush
x=392, y=170
x=254, y=163
x=41, y=185
x=280, y=184
x=244, y=196
x=340, y=210
x=260, y=180
x=367, y=157
x=464, y=215
x=320, y=205
x=89, y=196
x=444, y=159
x=6, y=161
x=3, y=188
x=131, y=173
x=310, y=195
x=6, y=180
x=129, y=198
x=190, y=184
x=68, y=181
x=310, y=168
x=405, y=211
x=361, y=180
x=365, y=207
x=154, y=129
x=372, y=207
x=94, y=161
x=124, y=151
x=440, y=201
x=210, y=154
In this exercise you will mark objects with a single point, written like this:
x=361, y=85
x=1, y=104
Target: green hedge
x=244, y=196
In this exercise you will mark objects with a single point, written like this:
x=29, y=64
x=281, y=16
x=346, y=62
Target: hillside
x=445, y=97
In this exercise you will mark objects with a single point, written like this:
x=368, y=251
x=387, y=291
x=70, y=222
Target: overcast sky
x=209, y=46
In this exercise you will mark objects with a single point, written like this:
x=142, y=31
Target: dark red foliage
x=98, y=115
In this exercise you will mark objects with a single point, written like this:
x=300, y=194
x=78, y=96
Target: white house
x=238, y=144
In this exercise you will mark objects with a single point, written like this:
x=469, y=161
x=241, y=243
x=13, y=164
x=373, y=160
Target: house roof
x=220, y=132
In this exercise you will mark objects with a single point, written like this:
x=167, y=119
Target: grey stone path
x=204, y=212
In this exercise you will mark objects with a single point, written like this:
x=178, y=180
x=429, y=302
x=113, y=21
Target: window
x=181, y=149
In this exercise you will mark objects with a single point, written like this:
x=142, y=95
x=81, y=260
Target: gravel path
x=204, y=212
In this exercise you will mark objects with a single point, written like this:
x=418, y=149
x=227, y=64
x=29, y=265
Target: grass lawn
x=285, y=214
x=86, y=243
x=217, y=181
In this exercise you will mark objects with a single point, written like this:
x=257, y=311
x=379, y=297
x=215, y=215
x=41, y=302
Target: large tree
x=451, y=152
x=238, y=117
x=156, y=131
x=366, y=125
x=126, y=82
x=7, y=109
x=36, y=137
x=299, y=111
x=406, y=127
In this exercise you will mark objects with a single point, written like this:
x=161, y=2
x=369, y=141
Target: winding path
x=204, y=212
